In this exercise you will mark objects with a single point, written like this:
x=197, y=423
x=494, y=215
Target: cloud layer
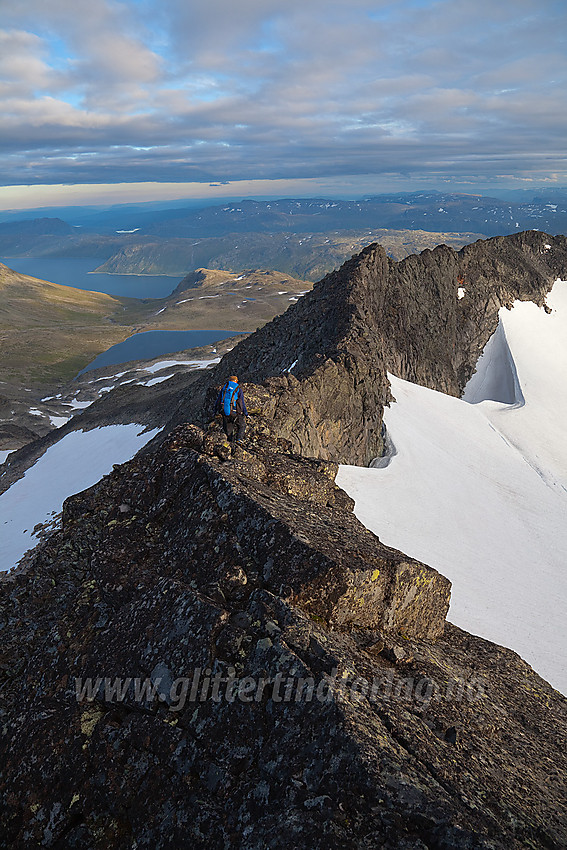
x=181, y=90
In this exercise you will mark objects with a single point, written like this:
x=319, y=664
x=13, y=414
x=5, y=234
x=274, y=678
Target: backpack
x=228, y=398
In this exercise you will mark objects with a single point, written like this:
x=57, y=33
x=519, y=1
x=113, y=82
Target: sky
x=179, y=98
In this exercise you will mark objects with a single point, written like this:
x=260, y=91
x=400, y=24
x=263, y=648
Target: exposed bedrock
x=251, y=571
x=278, y=515
x=325, y=360
x=250, y=564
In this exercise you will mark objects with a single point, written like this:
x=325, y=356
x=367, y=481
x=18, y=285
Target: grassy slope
x=35, y=303
x=47, y=331
x=225, y=301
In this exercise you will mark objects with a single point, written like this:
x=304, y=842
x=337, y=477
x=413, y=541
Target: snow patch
x=535, y=424
x=496, y=377
x=78, y=405
x=113, y=386
x=58, y=421
x=153, y=381
x=107, y=377
x=165, y=364
x=76, y=462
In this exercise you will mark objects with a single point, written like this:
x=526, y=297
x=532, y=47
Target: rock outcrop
x=325, y=360
x=214, y=652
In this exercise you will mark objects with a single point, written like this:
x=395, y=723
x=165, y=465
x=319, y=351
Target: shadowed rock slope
x=325, y=360
x=213, y=651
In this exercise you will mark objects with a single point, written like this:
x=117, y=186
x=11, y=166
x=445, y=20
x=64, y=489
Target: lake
x=75, y=272
x=150, y=344
x=143, y=346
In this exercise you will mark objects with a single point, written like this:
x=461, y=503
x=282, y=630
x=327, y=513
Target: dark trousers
x=234, y=422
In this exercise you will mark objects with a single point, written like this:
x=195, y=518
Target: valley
x=48, y=333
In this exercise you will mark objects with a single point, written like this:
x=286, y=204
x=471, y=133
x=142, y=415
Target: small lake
x=75, y=272
x=150, y=344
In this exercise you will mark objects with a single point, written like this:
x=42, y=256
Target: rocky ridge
x=426, y=319
x=249, y=566
x=188, y=565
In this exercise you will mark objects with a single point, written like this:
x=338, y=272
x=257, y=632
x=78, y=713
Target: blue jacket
x=240, y=403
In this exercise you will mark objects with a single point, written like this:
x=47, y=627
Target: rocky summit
x=426, y=319
x=214, y=652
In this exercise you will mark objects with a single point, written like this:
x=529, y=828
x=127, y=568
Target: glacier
x=477, y=487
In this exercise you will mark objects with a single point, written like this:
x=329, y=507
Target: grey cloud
x=261, y=88
x=22, y=65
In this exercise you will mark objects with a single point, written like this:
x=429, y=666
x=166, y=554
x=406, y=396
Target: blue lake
x=75, y=272
x=150, y=344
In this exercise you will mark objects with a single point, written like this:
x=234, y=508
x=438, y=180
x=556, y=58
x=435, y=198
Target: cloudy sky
x=278, y=97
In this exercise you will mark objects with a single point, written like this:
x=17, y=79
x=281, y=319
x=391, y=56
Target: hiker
x=230, y=403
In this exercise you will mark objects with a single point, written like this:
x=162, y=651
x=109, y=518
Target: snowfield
x=477, y=488
x=76, y=462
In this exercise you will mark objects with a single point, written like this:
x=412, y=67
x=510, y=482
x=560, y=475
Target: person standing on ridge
x=230, y=403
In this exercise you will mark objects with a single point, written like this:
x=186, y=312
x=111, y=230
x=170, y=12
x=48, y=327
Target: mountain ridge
x=305, y=237
x=303, y=254
x=408, y=311
x=250, y=565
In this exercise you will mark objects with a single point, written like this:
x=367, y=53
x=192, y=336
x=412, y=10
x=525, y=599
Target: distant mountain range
x=429, y=211
x=308, y=256
x=304, y=237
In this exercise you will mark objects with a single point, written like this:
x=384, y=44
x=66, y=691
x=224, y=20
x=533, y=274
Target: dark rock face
x=214, y=652
x=299, y=698
x=325, y=360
